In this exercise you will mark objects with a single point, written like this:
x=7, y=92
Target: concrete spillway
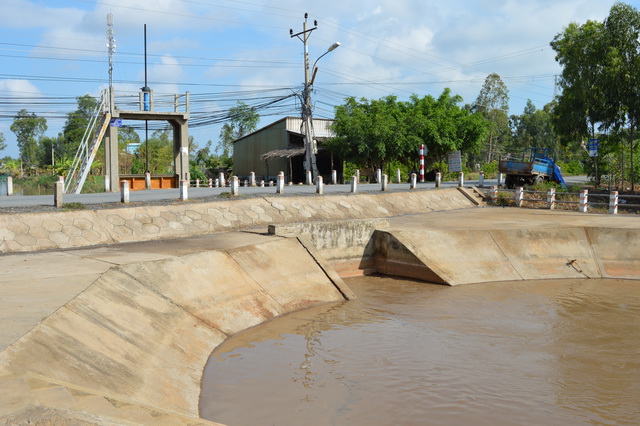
x=473, y=256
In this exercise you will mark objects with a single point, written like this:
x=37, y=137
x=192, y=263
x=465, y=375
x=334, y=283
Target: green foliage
x=377, y=133
x=243, y=120
x=490, y=170
x=572, y=168
x=28, y=128
x=493, y=103
x=160, y=154
x=76, y=124
x=3, y=144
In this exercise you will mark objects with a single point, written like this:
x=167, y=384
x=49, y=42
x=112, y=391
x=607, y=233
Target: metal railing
x=613, y=200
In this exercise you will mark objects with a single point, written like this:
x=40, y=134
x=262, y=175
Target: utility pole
x=309, y=143
x=111, y=46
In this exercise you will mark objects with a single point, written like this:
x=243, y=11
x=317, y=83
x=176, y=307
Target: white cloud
x=18, y=89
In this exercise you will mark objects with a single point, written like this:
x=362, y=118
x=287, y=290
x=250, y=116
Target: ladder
x=97, y=127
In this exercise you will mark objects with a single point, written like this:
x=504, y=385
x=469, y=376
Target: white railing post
x=319, y=186
x=358, y=175
x=280, y=183
x=9, y=186
x=197, y=183
x=398, y=176
x=210, y=183
x=385, y=180
x=438, y=179
x=334, y=177
x=519, y=196
x=354, y=184
x=481, y=180
x=58, y=194
x=414, y=181
x=147, y=180
x=551, y=199
x=461, y=180
x=262, y=184
x=500, y=180
x=184, y=190
x=124, y=191
x=613, y=202
x=223, y=183
x=235, y=185
x=252, y=179
x=494, y=193
x=378, y=176
x=584, y=201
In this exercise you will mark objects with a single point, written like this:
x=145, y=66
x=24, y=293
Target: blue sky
x=222, y=51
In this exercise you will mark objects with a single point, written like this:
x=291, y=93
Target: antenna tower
x=111, y=47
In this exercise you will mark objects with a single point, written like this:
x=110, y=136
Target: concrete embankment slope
x=453, y=257
x=39, y=231
x=141, y=333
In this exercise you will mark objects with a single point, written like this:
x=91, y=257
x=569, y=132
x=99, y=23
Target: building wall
x=247, y=152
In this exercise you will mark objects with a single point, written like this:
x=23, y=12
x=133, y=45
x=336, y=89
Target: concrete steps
x=36, y=399
x=475, y=195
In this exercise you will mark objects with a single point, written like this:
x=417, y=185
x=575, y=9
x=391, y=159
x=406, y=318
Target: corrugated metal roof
x=321, y=127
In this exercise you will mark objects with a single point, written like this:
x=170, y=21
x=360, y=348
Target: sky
x=225, y=51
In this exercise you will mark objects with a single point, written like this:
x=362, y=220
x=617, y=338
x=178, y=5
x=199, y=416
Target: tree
x=493, y=103
x=375, y=133
x=3, y=144
x=243, y=120
x=28, y=128
x=77, y=123
x=368, y=133
x=534, y=128
x=160, y=154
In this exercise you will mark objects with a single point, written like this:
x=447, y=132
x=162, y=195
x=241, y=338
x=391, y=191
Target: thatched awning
x=291, y=151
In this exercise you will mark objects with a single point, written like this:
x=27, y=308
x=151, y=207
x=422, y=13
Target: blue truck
x=533, y=166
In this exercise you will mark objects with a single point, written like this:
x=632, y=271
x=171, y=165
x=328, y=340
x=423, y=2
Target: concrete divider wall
x=144, y=331
x=474, y=256
x=41, y=231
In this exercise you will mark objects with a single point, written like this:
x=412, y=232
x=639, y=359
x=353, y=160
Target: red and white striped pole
x=422, y=163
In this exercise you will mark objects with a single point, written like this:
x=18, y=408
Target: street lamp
x=309, y=144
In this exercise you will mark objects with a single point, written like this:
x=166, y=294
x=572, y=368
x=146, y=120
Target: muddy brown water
x=408, y=353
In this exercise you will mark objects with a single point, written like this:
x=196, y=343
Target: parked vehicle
x=533, y=166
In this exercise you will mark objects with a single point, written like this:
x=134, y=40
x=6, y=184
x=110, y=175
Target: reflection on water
x=563, y=352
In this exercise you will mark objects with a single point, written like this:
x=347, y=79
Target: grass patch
x=73, y=206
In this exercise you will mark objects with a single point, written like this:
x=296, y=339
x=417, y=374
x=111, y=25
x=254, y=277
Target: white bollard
x=438, y=179
x=461, y=180
x=210, y=183
x=9, y=186
x=384, y=181
x=378, y=176
x=235, y=184
x=197, y=183
x=584, y=201
x=551, y=199
x=124, y=191
x=500, y=180
x=354, y=184
x=519, y=196
x=613, y=202
x=252, y=179
x=334, y=177
x=184, y=190
x=398, y=176
x=147, y=180
x=262, y=184
x=58, y=194
x=494, y=194
x=319, y=186
x=309, y=178
x=481, y=180
x=414, y=181
x=107, y=183
x=223, y=183
x=280, y=183
x=358, y=175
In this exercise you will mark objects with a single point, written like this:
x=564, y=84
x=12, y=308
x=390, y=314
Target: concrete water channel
x=109, y=316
